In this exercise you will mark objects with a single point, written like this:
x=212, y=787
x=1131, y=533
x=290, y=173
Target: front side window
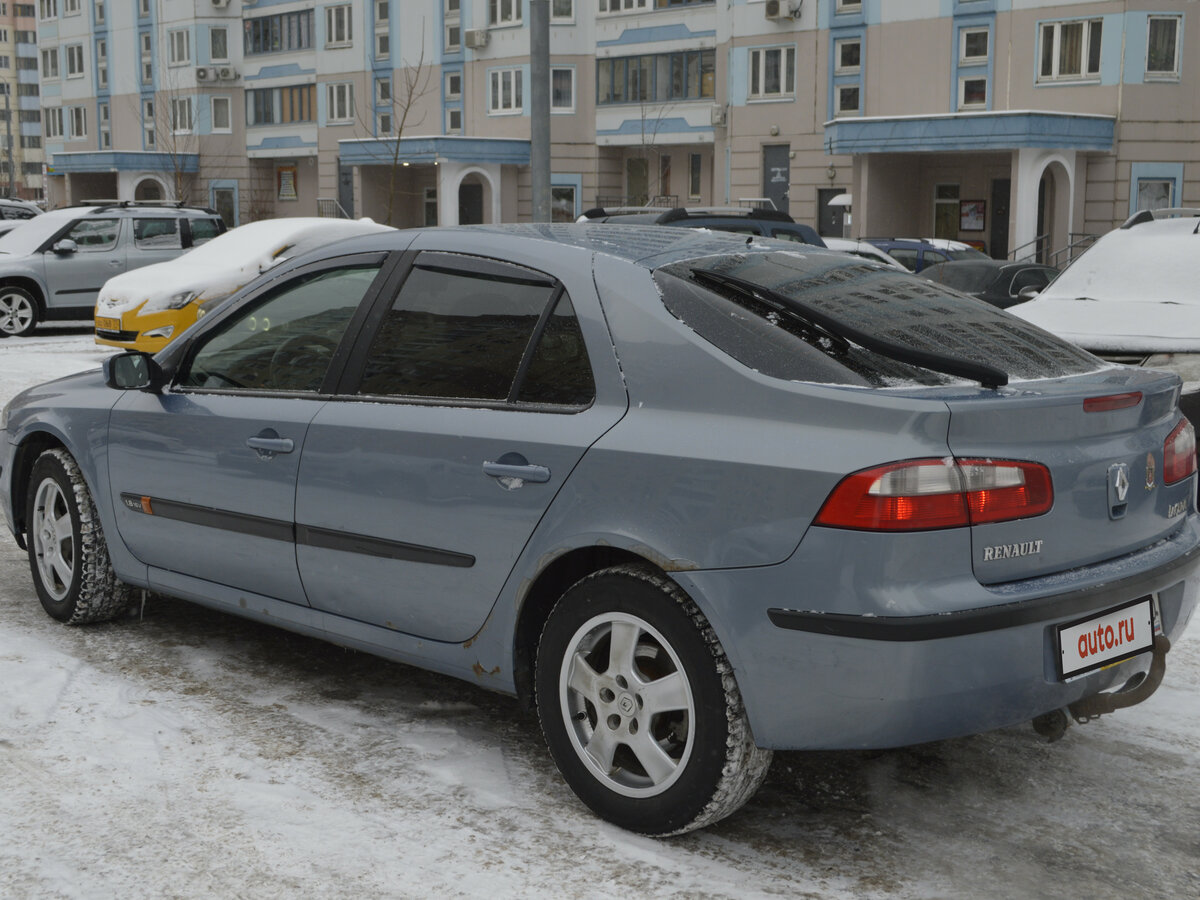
x=462, y=332
x=94, y=234
x=338, y=30
x=1070, y=50
x=285, y=340
x=1162, y=47
x=504, y=94
x=773, y=72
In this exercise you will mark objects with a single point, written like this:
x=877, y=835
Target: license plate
x=1106, y=638
x=103, y=323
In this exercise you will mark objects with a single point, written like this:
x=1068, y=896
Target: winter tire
x=640, y=708
x=18, y=311
x=67, y=553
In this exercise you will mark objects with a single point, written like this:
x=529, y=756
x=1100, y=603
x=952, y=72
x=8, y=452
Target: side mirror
x=66, y=245
x=134, y=371
x=1028, y=293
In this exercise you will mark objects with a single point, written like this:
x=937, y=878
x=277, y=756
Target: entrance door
x=1001, y=188
x=830, y=219
x=470, y=203
x=777, y=174
x=637, y=181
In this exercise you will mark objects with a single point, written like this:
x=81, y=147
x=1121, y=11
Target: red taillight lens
x=1112, y=401
x=1179, y=453
x=923, y=494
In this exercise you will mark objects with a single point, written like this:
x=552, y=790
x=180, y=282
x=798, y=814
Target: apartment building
x=21, y=159
x=1012, y=123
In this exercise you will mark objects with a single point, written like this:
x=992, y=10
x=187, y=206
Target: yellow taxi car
x=147, y=308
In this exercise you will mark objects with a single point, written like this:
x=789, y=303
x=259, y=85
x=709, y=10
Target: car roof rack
x=599, y=212
x=742, y=212
x=1171, y=212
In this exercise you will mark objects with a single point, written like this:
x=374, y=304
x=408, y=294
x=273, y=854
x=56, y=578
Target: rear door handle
x=513, y=467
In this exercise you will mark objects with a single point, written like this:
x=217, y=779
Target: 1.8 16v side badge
x=1118, y=490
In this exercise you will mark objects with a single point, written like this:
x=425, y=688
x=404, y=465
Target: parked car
x=52, y=267
x=998, y=281
x=737, y=219
x=16, y=212
x=862, y=248
x=915, y=254
x=147, y=308
x=1131, y=298
x=696, y=499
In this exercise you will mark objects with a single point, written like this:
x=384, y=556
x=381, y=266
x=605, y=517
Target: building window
x=773, y=72
x=147, y=45
x=47, y=9
x=1162, y=47
x=218, y=43
x=1070, y=50
x=222, y=115
x=684, y=75
x=74, y=60
x=298, y=103
x=77, y=118
x=973, y=46
x=848, y=99
x=847, y=56
x=431, y=214
x=105, y=128
x=180, y=43
x=945, y=210
x=52, y=122
x=181, y=115
x=383, y=45
x=504, y=12
x=453, y=85
x=70, y=7
x=338, y=26
x=385, y=123
x=102, y=65
x=278, y=34
x=148, y=131
x=562, y=90
x=621, y=5
x=1155, y=193
x=453, y=37
x=99, y=12
x=383, y=91
x=454, y=121
x=562, y=11
x=972, y=93
x=695, y=167
x=849, y=6
x=504, y=96
x=143, y=8
x=339, y=100
x=50, y=63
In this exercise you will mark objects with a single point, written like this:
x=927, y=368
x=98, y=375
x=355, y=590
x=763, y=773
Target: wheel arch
x=26, y=454
x=544, y=592
x=30, y=284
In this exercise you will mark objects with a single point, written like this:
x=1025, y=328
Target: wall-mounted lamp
x=831, y=172
x=774, y=130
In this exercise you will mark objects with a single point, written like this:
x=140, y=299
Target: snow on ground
x=188, y=754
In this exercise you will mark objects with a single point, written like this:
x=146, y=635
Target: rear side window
x=156, y=234
x=478, y=330
x=203, y=230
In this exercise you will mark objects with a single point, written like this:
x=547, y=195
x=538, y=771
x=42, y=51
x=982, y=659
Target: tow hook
x=1053, y=725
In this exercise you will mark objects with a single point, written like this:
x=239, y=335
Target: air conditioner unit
x=718, y=115
x=220, y=4
x=782, y=9
x=227, y=73
x=205, y=73
x=476, y=38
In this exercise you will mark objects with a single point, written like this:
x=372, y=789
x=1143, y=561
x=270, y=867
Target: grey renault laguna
x=694, y=496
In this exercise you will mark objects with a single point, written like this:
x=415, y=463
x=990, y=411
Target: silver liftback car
x=694, y=496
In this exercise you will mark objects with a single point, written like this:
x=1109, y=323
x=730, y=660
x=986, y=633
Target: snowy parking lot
x=185, y=753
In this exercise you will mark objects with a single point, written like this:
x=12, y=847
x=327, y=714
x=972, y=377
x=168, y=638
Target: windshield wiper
x=843, y=332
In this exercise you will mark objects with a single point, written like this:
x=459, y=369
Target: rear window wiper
x=842, y=332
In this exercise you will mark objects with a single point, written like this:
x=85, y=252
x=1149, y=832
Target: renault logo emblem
x=1118, y=490
x=1121, y=482
x=1149, y=471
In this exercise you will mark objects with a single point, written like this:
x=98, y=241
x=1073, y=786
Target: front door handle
x=513, y=470
x=268, y=442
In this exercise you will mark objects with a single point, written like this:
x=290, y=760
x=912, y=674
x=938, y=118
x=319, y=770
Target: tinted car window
x=454, y=334
x=285, y=341
x=906, y=257
x=559, y=371
x=94, y=234
x=156, y=233
x=203, y=230
x=1037, y=278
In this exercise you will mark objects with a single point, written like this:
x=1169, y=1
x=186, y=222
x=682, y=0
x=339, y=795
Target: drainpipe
x=539, y=96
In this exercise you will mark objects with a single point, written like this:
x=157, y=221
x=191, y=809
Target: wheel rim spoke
x=666, y=694
x=53, y=539
x=623, y=640
x=601, y=748
x=61, y=567
x=582, y=678
x=658, y=765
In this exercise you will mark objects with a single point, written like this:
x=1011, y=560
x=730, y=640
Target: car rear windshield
x=849, y=301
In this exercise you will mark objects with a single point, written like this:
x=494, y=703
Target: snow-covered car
x=147, y=308
x=1132, y=298
x=865, y=249
x=695, y=498
x=1000, y=282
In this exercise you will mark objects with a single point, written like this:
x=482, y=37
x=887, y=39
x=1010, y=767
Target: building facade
x=21, y=159
x=1018, y=124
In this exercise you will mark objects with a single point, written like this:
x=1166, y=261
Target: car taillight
x=923, y=494
x=1179, y=453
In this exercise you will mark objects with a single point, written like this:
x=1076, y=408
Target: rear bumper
x=820, y=680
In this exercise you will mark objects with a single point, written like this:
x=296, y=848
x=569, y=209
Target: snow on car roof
x=23, y=241
x=222, y=265
x=1134, y=290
